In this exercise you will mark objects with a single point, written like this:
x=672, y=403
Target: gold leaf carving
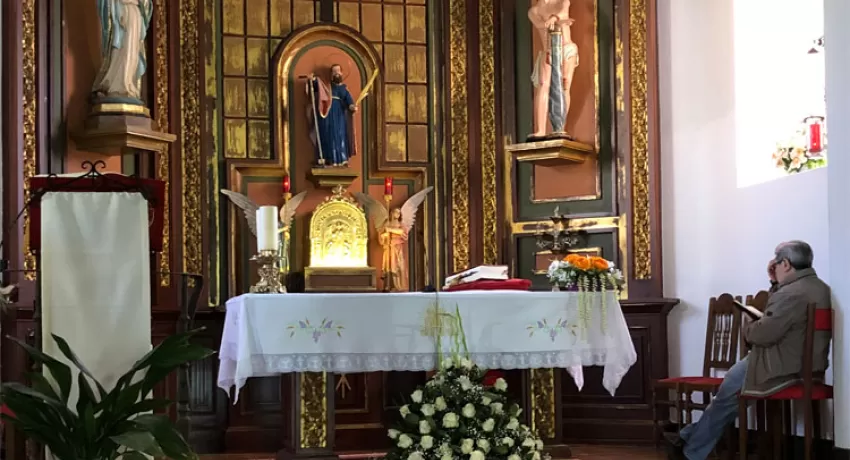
x=459, y=134
x=29, y=159
x=488, y=130
x=543, y=402
x=314, y=410
x=190, y=102
x=642, y=251
x=161, y=114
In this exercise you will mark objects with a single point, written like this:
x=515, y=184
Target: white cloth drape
x=95, y=276
x=268, y=334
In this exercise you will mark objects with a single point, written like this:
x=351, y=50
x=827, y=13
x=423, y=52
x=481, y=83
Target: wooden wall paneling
x=208, y=403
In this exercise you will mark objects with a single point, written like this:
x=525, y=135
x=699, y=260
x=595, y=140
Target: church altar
x=270, y=334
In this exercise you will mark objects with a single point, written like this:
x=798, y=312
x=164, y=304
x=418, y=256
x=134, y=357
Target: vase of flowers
x=577, y=272
x=456, y=415
x=793, y=155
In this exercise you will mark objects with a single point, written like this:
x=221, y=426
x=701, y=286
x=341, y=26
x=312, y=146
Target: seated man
x=776, y=360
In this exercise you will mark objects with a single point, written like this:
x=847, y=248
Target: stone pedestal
x=122, y=129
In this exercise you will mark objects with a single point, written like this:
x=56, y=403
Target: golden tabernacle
x=339, y=247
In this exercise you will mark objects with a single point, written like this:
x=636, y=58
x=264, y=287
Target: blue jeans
x=700, y=437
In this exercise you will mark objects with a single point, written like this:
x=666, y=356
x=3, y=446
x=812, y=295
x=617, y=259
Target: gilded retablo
x=338, y=233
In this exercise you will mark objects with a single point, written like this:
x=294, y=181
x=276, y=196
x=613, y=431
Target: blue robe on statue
x=334, y=143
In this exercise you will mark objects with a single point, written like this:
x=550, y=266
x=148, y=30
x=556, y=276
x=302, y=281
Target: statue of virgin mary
x=124, y=25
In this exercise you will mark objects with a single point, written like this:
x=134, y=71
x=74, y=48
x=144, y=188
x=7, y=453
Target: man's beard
x=336, y=79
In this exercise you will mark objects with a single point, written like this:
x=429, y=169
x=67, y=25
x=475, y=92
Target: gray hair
x=798, y=253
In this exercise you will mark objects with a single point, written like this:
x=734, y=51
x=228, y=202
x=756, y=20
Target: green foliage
x=104, y=424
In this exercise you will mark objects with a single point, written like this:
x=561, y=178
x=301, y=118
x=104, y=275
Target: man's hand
x=352, y=107
x=550, y=23
x=312, y=76
x=771, y=271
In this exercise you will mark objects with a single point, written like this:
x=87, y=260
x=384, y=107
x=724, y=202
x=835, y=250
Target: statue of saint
x=330, y=115
x=553, y=68
x=393, y=226
x=123, y=26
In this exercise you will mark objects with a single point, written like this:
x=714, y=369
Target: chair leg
x=775, y=420
x=742, y=429
x=816, y=418
x=808, y=427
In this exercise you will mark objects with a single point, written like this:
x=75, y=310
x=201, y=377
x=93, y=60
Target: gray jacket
x=776, y=359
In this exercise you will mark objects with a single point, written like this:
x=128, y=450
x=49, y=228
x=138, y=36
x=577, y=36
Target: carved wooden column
x=310, y=433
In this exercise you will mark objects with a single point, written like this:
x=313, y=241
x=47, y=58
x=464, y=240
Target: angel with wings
x=393, y=226
x=287, y=212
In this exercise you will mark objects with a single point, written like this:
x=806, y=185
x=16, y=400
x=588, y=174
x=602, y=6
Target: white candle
x=267, y=228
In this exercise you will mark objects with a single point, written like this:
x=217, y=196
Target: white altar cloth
x=271, y=334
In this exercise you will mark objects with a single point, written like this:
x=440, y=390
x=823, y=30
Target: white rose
x=447, y=363
x=450, y=420
x=464, y=382
x=477, y=455
x=466, y=446
x=446, y=457
x=393, y=434
x=440, y=403
x=535, y=456
x=486, y=401
x=426, y=442
x=539, y=444
x=500, y=384
x=416, y=396
x=424, y=427
x=497, y=407
x=514, y=457
x=404, y=410
x=427, y=410
x=488, y=425
x=529, y=443
x=445, y=449
x=415, y=456
x=513, y=424
x=484, y=445
x=465, y=363
x=508, y=442
x=469, y=410
x=404, y=441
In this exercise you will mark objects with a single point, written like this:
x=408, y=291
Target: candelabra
x=560, y=238
x=269, y=271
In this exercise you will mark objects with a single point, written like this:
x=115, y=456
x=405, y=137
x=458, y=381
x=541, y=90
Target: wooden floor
x=579, y=452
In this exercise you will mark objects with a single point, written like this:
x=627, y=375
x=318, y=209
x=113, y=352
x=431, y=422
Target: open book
x=483, y=272
x=751, y=311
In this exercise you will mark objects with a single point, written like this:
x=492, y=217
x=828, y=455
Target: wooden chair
x=759, y=301
x=809, y=392
x=721, y=353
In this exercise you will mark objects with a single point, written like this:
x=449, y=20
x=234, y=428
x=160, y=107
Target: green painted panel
x=526, y=249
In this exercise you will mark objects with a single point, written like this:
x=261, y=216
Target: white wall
x=716, y=237
x=837, y=13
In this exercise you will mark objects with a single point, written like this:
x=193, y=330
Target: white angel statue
x=393, y=228
x=287, y=212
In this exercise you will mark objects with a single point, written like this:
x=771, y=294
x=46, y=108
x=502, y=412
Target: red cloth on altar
x=513, y=284
x=491, y=376
x=114, y=183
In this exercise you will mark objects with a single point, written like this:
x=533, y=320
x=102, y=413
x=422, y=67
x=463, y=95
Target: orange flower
x=599, y=263
x=582, y=263
x=571, y=258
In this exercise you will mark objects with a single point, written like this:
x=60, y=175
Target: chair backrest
x=721, y=335
x=817, y=320
x=759, y=301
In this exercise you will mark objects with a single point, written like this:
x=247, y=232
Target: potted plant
x=103, y=425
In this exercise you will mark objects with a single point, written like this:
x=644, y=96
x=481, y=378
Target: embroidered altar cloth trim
x=271, y=334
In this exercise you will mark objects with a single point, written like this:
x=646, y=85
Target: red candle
x=388, y=186
x=286, y=184
x=815, y=138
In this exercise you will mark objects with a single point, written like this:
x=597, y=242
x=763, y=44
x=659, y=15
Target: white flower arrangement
x=584, y=273
x=455, y=416
x=793, y=154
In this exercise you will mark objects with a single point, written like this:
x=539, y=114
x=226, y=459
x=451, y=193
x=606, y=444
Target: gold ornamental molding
x=459, y=173
x=488, y=131
x=641, y=238
x=314, y=410
x=29, y=159
x=190, y=136
x=160, y=25
x=543, y=402
x=211, y=115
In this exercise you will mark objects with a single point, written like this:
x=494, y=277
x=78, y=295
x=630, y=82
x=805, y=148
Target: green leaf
x=41, y=384
x=133, y=456
x=86, y=397
x=60, y=372
x=140, y=441
x=66, y=350
x=169, y=439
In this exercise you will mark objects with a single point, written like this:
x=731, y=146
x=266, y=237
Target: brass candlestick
x=269, y=272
